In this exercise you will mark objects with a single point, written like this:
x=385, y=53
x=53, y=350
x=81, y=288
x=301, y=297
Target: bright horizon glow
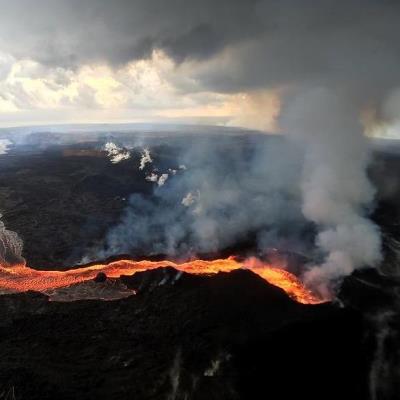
x=148, y=90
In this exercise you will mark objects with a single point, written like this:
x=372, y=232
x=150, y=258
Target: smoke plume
x=306, y=191
x=336, y=192
x=226, y=189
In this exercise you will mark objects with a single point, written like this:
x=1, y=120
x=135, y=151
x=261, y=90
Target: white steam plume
x=115, y=153
x=145, y=159
x=190, y=199
x=153, y=177
x=335, y=188
x=248, y=186
x=5, y=146
x=162, y=179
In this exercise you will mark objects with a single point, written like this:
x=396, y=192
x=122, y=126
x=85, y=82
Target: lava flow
x=20, y=278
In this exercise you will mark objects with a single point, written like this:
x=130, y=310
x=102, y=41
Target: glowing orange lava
x=20, y=278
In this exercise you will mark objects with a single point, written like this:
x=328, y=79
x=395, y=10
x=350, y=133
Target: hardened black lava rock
x=376, y=295
x=100, y=277
x=228, y=336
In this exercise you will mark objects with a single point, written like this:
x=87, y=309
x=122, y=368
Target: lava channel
x=21, y=278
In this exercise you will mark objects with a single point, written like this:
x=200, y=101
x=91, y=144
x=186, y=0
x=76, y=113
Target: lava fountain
x=21, y=278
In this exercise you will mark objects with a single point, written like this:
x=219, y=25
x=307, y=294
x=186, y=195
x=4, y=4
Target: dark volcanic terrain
x=63, y=199
x=230, y=336
x=60, y=203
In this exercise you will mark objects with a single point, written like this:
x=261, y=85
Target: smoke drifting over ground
x=306, y=191
x=209, y=190
x=220, y=190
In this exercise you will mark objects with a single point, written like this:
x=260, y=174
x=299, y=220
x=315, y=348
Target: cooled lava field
x=177, y=331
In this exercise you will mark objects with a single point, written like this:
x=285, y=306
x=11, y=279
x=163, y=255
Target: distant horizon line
x=130, y=124
x=74, y=126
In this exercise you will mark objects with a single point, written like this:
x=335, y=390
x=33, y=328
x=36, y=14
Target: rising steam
x=145, y=159
x=270, y=187
x=11, y=246
x=337, y=194
x=226, y=189
x=116, y=153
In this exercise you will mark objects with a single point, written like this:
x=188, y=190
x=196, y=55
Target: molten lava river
x=20, y=278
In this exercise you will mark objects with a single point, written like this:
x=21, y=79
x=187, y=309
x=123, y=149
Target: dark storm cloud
x=68, y=32
x=270, y=42
x=309, y=43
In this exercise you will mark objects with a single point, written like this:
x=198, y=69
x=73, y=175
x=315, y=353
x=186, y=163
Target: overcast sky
x=230, y=62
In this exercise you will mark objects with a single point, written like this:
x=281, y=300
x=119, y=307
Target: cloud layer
x=190, y=59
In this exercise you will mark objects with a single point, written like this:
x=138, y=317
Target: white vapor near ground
x=116, y=153
x=4, y=146
x=145, y=159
